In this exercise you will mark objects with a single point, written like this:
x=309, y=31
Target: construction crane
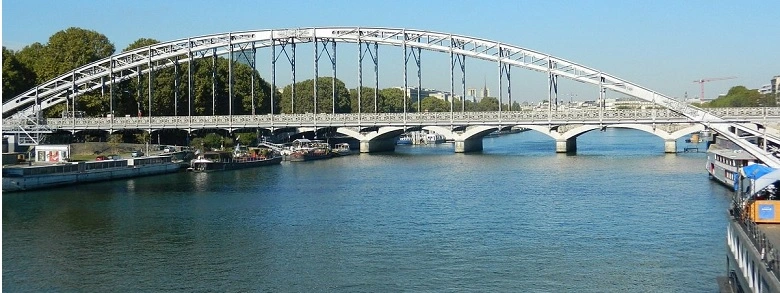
x=703, y=80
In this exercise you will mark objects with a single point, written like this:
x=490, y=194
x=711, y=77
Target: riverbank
x=89, y=150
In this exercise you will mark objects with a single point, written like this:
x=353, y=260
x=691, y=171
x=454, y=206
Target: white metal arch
x=98, y=74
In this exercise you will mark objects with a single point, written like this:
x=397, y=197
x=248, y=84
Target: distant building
x=412, y=93
x=472, y=93
x=485, y=92
x=765, y=89
x=775, y=84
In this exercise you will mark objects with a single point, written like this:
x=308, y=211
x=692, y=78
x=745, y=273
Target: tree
x=114, y=140
x=71, y=48
x=740, y=96
x=246, y=138
x=32, y=57
x=488, y=104
x=17, y=78
x=213, y=141
x=304, y=97
x=366, y=100
x=143, y=137
x=66, y=50
x=432, y=104
x=391, y=100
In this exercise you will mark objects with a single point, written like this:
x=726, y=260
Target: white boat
x=19, y=178
x=434, y=138
x=341, y=149
x=723, y=163
x=308, y=150
x=404, y=139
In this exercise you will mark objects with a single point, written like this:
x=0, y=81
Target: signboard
x=766, y=211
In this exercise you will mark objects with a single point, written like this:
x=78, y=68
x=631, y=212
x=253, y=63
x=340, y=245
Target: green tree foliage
x=487, y=104
x=140, y=43
x=114, y=140
x=392, y=101
x=209, y=95
x=304, y=97
x=66, y=50
x=432, y=104
x=143, y=137
x=32, y=57
x=368, y=100
x=740, y=96
x=213, y=141
x=76, y=47
x=17, y=78
x=69, y=49
x=198, y=144
x=246, y=138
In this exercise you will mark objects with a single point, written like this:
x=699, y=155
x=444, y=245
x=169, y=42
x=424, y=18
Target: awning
x=766, y=180
x=761, y=176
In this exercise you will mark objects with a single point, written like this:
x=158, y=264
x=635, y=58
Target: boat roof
x=732, y=154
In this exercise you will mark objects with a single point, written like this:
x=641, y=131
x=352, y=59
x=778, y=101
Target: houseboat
x=240, y=158
x=20, y=178
x=723, y=163
x=341, y=149
x=309, y=150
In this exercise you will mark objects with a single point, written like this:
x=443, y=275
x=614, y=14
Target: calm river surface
x=620, y=216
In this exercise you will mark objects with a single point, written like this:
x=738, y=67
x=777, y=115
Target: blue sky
x=662, y=45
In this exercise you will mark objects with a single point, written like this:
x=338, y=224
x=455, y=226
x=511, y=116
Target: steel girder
x=135, y=62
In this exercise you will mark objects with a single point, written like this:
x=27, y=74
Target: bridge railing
x=376, y=119
x=569, y=116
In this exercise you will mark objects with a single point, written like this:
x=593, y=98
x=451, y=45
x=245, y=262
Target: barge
x=239, y=159
x=753, y=233
x=21, y=178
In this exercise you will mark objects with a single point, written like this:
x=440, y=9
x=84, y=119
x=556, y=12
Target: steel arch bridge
x=95, y=75
x=146, y=60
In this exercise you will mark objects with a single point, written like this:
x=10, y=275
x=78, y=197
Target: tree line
x=740, y=96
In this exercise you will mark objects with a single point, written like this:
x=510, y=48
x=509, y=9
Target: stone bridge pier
x=382, y=139
x=466, y=141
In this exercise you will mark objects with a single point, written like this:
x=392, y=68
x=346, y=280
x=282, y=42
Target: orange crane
x=703, y=80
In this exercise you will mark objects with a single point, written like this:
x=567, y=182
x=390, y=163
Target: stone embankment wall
x=104, y=148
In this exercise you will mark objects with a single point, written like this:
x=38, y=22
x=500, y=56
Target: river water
x=620, y=216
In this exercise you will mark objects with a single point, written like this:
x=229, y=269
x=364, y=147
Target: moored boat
x=404, y=139
x=723, y=163
x=341, y=149
x=309, y=150
x=238, y=159
x=22, y=178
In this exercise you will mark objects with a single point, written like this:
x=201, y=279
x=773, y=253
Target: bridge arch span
x=100, y=73
x=383, y=139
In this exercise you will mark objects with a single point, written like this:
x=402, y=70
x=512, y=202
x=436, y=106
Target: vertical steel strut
x=254, y=71
x=376, y=75
x=230, y=80
x=151, y=73
x=214, y=82
x=316, y=74
x=406, y=82
x=273, y=73
x=176, y=86
x=189, y=84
